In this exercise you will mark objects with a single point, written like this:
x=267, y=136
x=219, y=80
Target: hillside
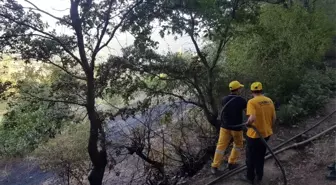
x=299, y=164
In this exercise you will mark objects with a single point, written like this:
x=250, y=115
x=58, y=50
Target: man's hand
x=251, y=120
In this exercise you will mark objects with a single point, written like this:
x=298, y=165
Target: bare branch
x=24, y=35
x=226, y=38
x=219, y=51
x=98, y=48
x=65, y=70
x=56, y=101
x=164, y=140
x=102, y=34
x=174, y=95
x=198, y=50
x=45, y=12
x=61, y=10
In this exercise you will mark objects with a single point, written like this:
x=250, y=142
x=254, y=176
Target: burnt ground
x=306, y=165
x=24, y=172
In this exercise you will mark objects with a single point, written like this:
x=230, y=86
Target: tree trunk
x=212, y=119
x=96, y=147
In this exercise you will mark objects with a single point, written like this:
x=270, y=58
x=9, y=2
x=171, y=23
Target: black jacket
x=233, y=111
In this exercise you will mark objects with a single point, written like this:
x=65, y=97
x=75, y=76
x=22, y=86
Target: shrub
x=66, y=154
x=29, y=123
x=280, y=48
x=284, y=51
x=316, y=89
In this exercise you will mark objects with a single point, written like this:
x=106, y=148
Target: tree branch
x=220, y=48
x=65, y=70
x=186, y=80
x=76, y=24
x=50, y=36
x=102, y=34
x=24, y=35
x=198, y=50
x=56, y=101
x=116, y=28
x=50, y=62
x=226, y=38
x=174, y=95
x=219, y=51
x=45, y=12
x=139, y=153
x=199, y=92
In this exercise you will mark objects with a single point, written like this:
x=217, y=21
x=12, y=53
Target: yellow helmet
x=235, y=85
x=256, y=86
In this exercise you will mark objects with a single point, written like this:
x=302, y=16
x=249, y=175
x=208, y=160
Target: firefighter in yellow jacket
x=231, y=115
x=261, y=112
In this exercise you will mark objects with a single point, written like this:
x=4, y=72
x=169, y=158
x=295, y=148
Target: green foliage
x=314, y=92
x=284, y=41
x=66, y=154
x=29, y=123
x=328, y=7
x=3, y=109
x=282, y=50
x=29, y=120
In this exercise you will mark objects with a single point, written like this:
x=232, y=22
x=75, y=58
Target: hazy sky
x=61, y=7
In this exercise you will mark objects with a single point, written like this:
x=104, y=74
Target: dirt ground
x=304, y=166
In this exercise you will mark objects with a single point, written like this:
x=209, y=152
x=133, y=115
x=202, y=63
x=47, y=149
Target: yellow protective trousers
x=225, y=136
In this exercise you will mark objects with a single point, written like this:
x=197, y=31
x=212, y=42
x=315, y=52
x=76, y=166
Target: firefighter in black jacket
x=231, y=114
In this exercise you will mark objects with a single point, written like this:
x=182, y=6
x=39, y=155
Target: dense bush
x=316, y=89
x=285, y=52
x=29, y=123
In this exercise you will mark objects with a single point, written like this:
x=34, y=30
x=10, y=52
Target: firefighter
x=231, y=114
x=261, y=112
